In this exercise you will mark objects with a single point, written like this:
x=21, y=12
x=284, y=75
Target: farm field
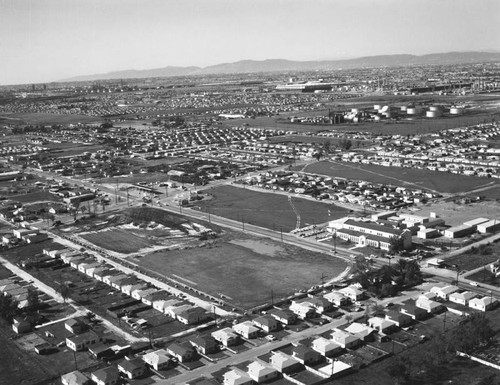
x=119, y=240
x=412, y=178
x=246, y=271
x=267, y=209
x=36, y=197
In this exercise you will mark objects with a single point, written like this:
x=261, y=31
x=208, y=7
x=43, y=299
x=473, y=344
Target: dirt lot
x=412, y=178
x=118, y=240
x=246, y=272
x=267, y=209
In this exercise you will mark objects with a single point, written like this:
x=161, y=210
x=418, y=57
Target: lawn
x=245, y=273
x=268, y=209
x=412, y=178
x=118, y=240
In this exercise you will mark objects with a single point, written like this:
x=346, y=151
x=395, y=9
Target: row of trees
x=387, y=280
x=427, y=365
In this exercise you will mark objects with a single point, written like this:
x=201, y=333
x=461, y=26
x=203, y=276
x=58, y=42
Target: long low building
x=370, y=233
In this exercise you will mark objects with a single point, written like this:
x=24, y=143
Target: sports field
x=407, y=177
x=246, y=272
x=270, y=210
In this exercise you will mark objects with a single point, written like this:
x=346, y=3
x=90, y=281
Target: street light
x=458, y=272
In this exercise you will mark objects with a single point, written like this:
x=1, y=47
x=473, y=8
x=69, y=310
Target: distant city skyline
x=48, y=40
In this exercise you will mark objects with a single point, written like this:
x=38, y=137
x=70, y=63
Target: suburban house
x=246, y=330
x=286, y=317
x=158, y=360
x=173, y=311
x=132, y=368
x=382, y=325
x=226, y=336
x=267, y=323
x=462, y=297
x=204, y=344
x=139, y=294
x=345, y=339
x=284, y=363
x=415, y=312
x=157, y=296
x=361, y=331
x=163, y=305
x=75, y=325
x=444, y=292
x=337, y=298
x=326, y=347
x=106, y=376
x=20, y=325
x=303, y=309
x=75, y=378
x=236, y=377
x=132, y=284
x=399, y=319
x=321, y=305
x=82, y=341
x=429, y=305
x=305, y=355
x=261, y=373
x=182, y=351
x=192, y=316
x=483, y=304
x=353, y=293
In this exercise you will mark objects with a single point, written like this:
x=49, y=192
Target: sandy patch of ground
x=259, y=246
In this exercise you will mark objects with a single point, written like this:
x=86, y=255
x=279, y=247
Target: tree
x=327, y=147
x=396, y=244
x=33, y=301
x=8, y=307
x=64, y=290
x=471, y=333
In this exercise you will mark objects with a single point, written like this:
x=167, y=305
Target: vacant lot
x=478, y=258
x=248, y=272
x=411, y=178
x=118, y=240
x=268, y=209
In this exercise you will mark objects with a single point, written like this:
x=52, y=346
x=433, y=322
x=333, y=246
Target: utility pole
x=272, y=297
x=281, y=233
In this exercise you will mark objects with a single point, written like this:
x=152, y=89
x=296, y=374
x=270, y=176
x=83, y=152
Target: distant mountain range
x=281, y=65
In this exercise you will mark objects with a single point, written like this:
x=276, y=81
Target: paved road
x=252, y=353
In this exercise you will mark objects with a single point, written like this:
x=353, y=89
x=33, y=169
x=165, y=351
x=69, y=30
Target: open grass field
x=46, y=118
x=39, y=196
x=407, y=177
x=118, y=240
x=470, y=261
x=268, y=209
x=243, y=272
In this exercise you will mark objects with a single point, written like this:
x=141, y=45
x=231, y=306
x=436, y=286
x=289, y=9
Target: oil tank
x=433, y=114
x=456, y=111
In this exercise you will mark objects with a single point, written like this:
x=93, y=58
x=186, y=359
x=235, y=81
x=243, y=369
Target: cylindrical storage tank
x=355, y=110
x=411, y=111
x=403, y=108
x=433, y=114
x=455, y=111
x=377, y=107
x=434, y=108
x=376, y=118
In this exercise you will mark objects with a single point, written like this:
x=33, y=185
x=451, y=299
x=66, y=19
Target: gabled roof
x=180, y=349
x=106, y=374
x=75, y=378
x=132, y=364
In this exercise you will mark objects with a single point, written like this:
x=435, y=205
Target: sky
x=49, y=40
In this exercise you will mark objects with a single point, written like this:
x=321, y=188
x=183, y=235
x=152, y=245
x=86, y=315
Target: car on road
x=270, y=337
x=475, y=284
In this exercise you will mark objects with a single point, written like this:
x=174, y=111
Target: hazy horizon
x=49, y=40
